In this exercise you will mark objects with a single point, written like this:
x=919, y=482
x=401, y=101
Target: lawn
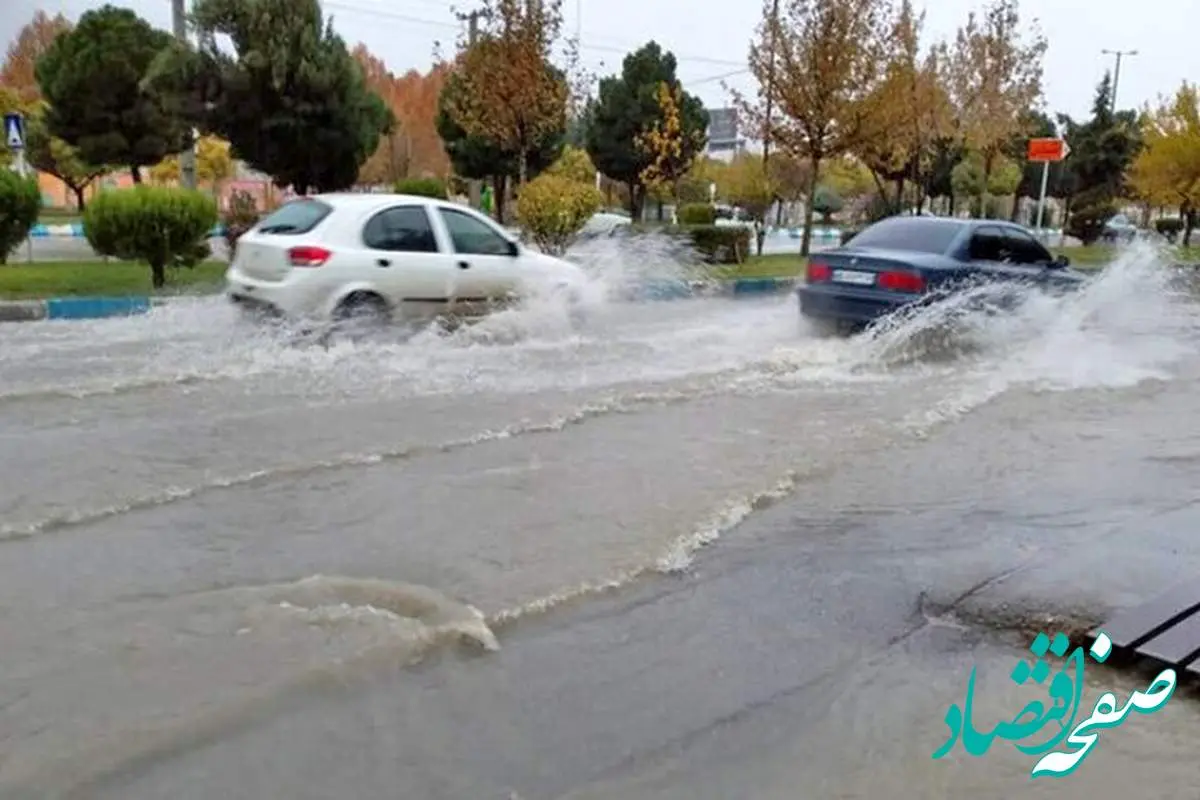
x=100, y=279
x=58, y=216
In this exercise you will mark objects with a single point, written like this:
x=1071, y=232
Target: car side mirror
x=1060, y=262
x=514, y=249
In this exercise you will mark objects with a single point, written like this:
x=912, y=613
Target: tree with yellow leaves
x=750, y=187
x=995, y=78
x=1167, y=171
x=909, y=111
x=214, y=164
x=507, y=90
x=817, y=63
x=574, y=164
x=668, y=147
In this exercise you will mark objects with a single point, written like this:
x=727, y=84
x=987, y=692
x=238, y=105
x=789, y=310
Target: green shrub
x=240, y=217
x=20, y=202
x=697, y=214
x=1088, y=217
x=1169, y=227
x=715, y=244
x=827, y=202
x=552, y=209
x=160, y=225
x=422, y=187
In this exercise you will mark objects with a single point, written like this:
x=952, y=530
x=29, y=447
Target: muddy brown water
x=690, y=552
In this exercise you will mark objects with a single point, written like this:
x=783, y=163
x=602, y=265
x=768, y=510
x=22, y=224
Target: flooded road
x=691, y=551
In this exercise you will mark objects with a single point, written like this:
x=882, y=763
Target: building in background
x=724, y=141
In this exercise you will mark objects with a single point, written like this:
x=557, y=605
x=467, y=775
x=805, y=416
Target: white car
x=379, y=257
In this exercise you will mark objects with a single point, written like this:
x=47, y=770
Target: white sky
x=710, y=40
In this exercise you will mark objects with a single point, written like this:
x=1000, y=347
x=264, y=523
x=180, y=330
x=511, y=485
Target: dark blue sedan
x=900, y=261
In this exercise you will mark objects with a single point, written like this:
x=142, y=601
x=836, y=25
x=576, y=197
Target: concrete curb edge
x=80, y=308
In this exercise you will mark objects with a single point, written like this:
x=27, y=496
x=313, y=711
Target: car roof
x=372, y=199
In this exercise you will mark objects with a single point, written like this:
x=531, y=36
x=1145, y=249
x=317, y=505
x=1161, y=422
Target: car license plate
x=854, y=277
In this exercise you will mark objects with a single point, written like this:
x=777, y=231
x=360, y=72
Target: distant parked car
x=904, y=260
x=373, y=258
x=1119, y=228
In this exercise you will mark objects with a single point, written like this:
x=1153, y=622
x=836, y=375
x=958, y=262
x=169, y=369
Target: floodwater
x=691, y=551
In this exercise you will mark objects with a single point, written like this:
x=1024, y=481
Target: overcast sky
x=710, y=39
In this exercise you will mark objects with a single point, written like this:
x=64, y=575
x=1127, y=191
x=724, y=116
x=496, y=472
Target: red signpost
x=1046, y=150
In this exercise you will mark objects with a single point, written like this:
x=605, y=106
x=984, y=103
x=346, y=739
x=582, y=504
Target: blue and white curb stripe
x=74, y=308
x=74, y=230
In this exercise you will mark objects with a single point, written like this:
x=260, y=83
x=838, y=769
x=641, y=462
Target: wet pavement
x=690, y=552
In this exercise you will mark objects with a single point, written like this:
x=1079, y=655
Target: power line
x=388, y=14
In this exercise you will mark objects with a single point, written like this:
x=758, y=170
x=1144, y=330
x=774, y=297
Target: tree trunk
x=135, y=172
x=80, y=200
x=522, y=168
x=634, y=207
x=158, y=275
x=806, y=238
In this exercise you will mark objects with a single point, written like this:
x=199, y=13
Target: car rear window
x=295, y=217
x=915, y=234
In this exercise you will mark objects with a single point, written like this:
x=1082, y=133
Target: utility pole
x=1117, y=74
x=474, y=187
x=187, y=159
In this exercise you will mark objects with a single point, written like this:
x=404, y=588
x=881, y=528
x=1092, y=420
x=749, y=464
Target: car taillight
x=817, y=272
x=900, y=281
x=308, y=256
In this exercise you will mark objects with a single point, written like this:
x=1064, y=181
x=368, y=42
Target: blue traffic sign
x=14, y=131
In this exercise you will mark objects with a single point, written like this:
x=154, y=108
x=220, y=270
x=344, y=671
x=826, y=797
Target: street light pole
x=1117, y=73
x=187, y=159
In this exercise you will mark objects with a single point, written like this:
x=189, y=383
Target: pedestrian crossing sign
x=14, y=131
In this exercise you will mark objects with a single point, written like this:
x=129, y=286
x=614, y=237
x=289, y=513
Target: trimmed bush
x=1088, y=216
x=697, y=214
x=240, y=217
x=160, y=225
x=20, y=202
x=721, y=244
x=422, y=187
x=552, y=209
x=1169, y=227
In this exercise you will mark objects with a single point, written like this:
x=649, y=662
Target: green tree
x=20, y=202
x=480, y=158
x=506, y=92
x=162, y=226
x=290, y=100
x=92, y=77
x=1102, y=151
x=55, y=157
x=628, y=108
x=1104, y=147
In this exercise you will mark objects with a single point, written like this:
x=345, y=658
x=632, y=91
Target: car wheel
x=361, y=314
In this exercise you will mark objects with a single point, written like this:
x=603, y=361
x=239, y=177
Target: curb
x=74, y=230
x=80, y=308
x=74, y=308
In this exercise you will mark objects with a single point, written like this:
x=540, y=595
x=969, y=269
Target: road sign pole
x=1042, y=194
